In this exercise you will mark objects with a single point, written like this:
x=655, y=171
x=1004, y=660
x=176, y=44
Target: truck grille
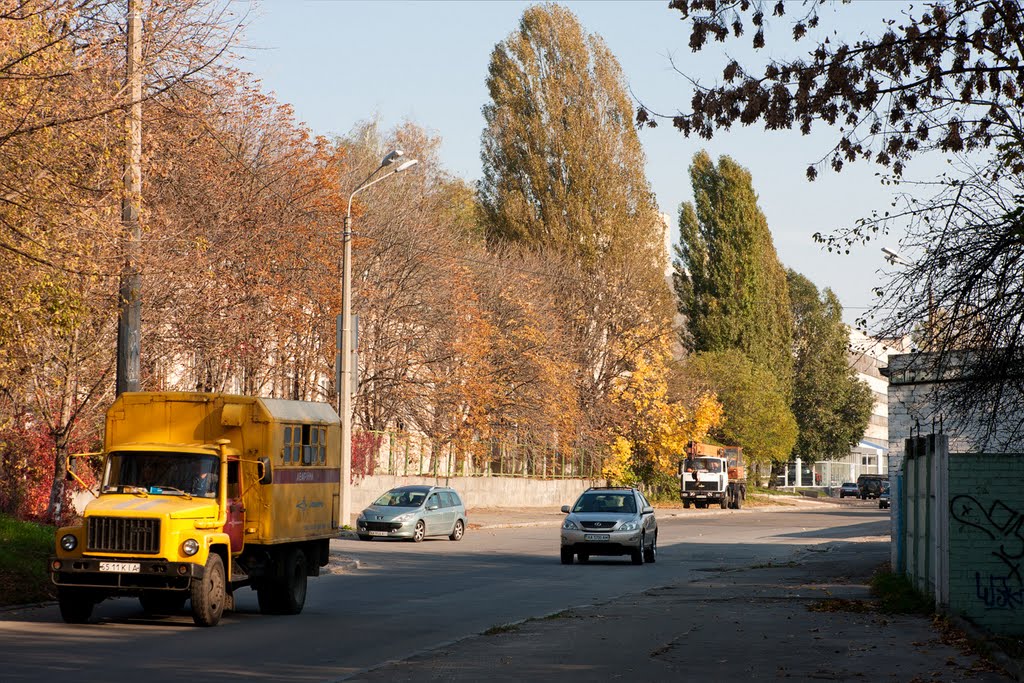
x=690, y=485
x=120, y=535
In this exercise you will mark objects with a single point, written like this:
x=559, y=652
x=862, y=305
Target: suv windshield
x=619, y=502
x=401, y=499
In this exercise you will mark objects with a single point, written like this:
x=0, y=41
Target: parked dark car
x=870, y=485
x=848, y=488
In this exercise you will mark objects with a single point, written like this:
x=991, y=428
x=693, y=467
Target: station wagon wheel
x=458, y=531
x=419, y=532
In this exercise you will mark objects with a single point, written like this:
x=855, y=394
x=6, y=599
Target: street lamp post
x=344, y=358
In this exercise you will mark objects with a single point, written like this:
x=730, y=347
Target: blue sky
x=341, y=62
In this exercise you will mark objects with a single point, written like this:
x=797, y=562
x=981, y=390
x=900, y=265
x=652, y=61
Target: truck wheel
x=738, y=503
x=75, y=605
x=365, y=537
x=162, y=602
x=210, y=594
x=724, y=502
x=293, y=589
x=686, y=503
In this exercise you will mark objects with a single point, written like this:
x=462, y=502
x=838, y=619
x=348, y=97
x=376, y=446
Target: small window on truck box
x=305, y=444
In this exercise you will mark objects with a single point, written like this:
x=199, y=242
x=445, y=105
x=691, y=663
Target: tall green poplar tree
x=562, y=165
x=731, y=287
x=831, y=405
x=563, y=176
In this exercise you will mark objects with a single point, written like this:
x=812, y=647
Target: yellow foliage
x=653, y=431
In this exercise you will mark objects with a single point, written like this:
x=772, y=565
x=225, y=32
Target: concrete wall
x=480, y=492
x=986, y=540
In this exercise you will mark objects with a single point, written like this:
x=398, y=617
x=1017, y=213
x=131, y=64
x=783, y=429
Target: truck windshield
x=162, y=473
x=703, y=465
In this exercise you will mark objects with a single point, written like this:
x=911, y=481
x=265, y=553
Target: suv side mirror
x=565, y=509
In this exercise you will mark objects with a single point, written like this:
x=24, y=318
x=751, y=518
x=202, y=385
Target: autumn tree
x=756, y=411
x=830, y=404
x=563, y=176
x=942, y=79
x=728, y=279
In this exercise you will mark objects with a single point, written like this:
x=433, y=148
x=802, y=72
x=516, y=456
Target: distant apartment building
x=867, y=356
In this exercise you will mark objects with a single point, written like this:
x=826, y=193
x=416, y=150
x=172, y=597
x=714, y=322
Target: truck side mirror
x=265, y=473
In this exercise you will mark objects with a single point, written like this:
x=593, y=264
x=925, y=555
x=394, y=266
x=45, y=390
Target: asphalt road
x=405, y=599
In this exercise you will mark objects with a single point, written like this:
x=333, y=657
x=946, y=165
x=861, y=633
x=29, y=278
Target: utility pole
x=130, y=310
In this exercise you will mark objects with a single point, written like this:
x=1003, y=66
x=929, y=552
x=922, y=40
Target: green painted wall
x=986, y=540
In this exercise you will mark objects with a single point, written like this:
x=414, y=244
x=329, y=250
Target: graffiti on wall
x=1005, y=529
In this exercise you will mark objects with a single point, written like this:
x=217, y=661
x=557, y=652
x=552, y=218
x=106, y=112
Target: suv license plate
x=596, y=537
x=125, y=567
x=378, y=533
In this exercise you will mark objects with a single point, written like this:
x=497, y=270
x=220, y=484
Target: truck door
x=235, y=525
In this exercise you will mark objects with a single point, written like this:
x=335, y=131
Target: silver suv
x=610, y=521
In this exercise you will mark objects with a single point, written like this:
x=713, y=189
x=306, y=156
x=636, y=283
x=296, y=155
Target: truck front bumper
x=93, y=573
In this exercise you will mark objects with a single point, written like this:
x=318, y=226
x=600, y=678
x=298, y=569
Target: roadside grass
x=502, y=628
x=24, y=549
x=896, y=595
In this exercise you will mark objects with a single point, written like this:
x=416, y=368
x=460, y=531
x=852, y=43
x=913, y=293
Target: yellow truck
x=202, y=494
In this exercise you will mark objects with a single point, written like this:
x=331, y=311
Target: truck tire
x=293, y=595
x=162, y=602
x=75, y=605
x=739, y=499
x=686, y=503
x=724, y=502
x=209, y=595
x=285, y=594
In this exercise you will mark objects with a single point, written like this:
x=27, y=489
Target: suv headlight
x=68, y=542
x=190, y=547
x=569, y=524
x=630, y=526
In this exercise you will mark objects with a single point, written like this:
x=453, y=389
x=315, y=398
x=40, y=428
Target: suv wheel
x=566, y=556
x=638, y=555
x=651, y=554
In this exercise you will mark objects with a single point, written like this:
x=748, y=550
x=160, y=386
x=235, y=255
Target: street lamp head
x=894, y=257
x=391, y=157
x=406, y=165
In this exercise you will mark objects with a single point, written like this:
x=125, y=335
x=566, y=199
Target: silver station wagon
x=413, y=513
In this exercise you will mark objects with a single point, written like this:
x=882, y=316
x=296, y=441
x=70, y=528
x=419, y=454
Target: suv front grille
x=121, y=535
x=598, y=526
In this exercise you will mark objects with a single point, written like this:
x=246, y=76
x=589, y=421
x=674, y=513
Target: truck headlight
x=190, y=547
x=68, y=542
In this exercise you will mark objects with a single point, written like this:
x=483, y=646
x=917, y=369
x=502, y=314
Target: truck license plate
x=378, y=533
x=596, y=537
x=124, y=567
